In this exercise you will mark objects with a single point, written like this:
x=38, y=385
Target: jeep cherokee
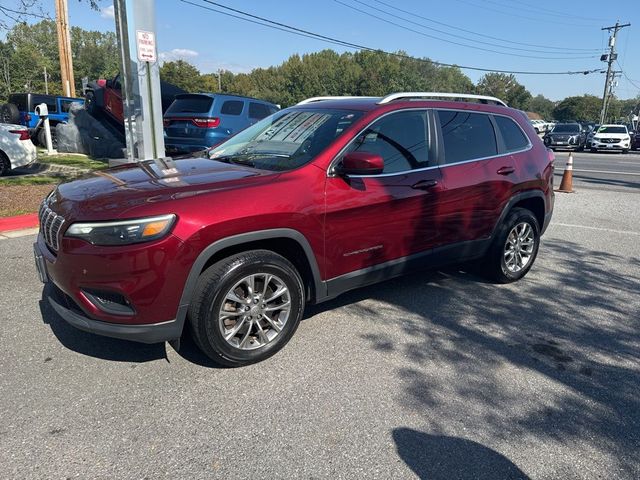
x=314, y=200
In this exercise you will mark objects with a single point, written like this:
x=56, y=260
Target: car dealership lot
x=438, y=374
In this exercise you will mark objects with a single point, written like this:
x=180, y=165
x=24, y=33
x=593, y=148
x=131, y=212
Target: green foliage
x=584, y=108
x=542, y=106
x=182, y=74
x=29, y=49
x=506, y=88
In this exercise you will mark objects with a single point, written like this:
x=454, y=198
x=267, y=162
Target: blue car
x=197, y=121
x=20, y=110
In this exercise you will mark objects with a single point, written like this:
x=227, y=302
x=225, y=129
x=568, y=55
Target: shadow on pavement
x=577, y=327
x=438, y=457
x=95, y=345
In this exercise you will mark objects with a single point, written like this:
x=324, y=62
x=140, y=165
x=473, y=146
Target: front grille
x=50, y=225
x=610, y=140
x=561, y=138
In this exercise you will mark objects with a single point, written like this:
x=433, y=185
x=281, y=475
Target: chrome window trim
x=330, y=172
x=444, y=165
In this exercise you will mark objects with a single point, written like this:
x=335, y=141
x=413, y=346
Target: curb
x=19, y=225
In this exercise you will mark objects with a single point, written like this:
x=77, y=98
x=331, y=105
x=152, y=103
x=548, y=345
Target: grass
x=14, y=212
x=69, y=159
x=30, y=180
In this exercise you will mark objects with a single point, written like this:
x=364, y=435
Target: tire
x=496, y=264
x=593, y=150
x=626, y=150
x=42, y=138
x=9, y=113
x=5, y=164
x=259, y=332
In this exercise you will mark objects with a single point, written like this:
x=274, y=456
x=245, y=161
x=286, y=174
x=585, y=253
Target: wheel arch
x=289, y=243
x=534, y=201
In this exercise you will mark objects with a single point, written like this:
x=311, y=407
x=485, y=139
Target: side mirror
x=360, y=163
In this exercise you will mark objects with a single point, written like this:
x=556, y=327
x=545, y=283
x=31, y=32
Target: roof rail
x=411, y=95
x=320, y=99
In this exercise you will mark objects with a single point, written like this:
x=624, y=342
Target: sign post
x=141, y=95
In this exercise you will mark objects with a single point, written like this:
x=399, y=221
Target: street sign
x=146, y=42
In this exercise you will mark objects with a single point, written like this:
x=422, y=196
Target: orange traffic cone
x=566, y=185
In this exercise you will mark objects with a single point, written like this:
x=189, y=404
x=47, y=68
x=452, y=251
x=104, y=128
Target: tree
x=182, y=74
x=22, y=10
x=542, y=106
x=506, y=88
x=584, y=108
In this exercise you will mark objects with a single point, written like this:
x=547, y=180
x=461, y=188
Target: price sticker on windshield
x=146, y=42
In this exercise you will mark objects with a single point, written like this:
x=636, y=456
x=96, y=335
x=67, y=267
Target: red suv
x=329, y=195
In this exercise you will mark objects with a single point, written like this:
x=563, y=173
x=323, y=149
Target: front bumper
x=157, y=316
x=610, y=146
x=153, y=333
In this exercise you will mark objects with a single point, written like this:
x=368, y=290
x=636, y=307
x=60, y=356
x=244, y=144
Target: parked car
x=326, y=196
x=540, y=126
x=196, y=121
x=20, y=110
x=611, y=137
x=105, y=97
x=16, y=147
x=570, y=136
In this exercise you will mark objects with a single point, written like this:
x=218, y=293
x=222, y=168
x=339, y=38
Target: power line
x=562, y=14
x=484, y=7
x=548, y=47
x=306, y=33
x=453, y=35
x=632, y=82
x=537, y=11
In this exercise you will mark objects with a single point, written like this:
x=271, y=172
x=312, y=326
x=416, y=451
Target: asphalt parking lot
x=437, y=375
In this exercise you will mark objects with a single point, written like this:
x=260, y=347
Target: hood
x=109, y=194
x=621, y=136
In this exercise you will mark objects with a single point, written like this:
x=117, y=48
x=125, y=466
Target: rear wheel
x=514, y=247
x=246, y=307
x=42, y=137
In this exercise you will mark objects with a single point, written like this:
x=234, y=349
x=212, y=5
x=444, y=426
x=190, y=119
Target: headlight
x=597, y=139
x=123, y=232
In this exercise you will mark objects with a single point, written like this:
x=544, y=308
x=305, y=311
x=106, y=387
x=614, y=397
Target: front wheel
x=514, y=247
x=246, y=307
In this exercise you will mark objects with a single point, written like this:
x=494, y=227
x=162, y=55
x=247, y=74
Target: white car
x=16, y=148
x=540, y=126
x=611, y=137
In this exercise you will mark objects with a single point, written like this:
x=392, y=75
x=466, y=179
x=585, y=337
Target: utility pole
x=610, y=58
x=64, y=48
x=219, y=80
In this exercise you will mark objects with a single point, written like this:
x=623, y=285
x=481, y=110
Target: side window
x=466, y=135
x=399, y=138
x=512, y=135
x=65, y=105
x=258, y=110
x=232, y=107
x=50, y=101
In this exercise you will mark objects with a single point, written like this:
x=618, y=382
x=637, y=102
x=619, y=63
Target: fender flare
x=518, y=198
x=243, y=238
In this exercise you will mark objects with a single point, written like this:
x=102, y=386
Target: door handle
x=424, y=184
x=505, y=170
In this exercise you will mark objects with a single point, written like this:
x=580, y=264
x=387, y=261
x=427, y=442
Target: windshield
x=612, y=130
x=285, y=140
x=566, y=128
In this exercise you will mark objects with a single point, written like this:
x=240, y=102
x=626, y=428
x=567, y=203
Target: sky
x=494, y=34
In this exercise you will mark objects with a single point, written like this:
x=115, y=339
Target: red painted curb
x=18, y=222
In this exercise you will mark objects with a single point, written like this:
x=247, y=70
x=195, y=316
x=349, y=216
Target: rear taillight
x=24, y=134
x=206, y=122
x=166, y=122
